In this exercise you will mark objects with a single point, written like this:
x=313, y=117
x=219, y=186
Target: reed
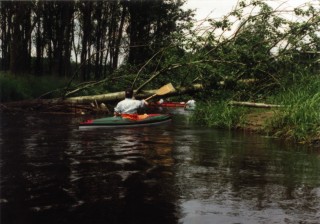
x=218, y=114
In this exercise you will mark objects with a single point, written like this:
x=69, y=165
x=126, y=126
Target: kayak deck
x=119, y=122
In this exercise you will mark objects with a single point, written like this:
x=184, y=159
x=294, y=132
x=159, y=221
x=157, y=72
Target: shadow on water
x=52, y=172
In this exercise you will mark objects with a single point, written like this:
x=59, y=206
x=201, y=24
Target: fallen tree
x=111, y=97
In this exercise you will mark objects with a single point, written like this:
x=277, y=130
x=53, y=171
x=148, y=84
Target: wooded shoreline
x=73, y=49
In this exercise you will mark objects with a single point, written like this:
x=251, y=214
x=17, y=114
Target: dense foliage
x=28, y=87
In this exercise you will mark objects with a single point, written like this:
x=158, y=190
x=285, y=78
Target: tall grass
x=300, y=118
x=218, y=114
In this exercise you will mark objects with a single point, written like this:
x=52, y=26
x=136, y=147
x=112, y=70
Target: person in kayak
x=129, y=105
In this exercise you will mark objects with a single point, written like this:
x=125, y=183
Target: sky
x=218, y=8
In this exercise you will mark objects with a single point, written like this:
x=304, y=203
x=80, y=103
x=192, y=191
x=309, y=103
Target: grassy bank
x=218, y=114
x=298, y=120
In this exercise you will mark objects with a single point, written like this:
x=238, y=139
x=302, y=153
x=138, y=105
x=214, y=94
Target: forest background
x=253, y=53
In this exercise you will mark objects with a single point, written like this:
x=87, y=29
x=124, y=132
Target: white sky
x=218, y=8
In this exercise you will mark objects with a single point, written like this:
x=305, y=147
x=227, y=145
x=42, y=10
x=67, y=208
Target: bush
x=13, y=88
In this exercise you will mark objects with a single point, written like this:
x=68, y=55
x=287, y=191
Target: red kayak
x=167, y=104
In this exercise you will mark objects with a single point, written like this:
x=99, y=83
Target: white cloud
x=210, y=8
x=219, y=8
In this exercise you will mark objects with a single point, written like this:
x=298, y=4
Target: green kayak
x=121, y=122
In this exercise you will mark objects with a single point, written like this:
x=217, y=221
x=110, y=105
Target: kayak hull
x=119, y=122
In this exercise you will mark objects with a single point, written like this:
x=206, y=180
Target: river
x=52, y=172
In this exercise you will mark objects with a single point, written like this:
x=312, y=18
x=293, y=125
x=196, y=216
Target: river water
x=52, y=172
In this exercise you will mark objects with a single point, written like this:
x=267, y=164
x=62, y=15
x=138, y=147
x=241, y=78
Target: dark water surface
x=52, y=172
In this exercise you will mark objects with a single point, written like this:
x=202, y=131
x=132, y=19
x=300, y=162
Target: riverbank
x=256, y=120
x=260, y=121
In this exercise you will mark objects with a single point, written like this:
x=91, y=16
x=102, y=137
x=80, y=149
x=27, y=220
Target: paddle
x=162, y=91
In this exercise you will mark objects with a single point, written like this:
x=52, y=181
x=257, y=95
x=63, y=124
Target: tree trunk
x=19, y=57
x=68, y=29
x=86, y=9
x=119, y=37
x=257, y=105
x=6, y=29
x=38, y=67
x=110, y=97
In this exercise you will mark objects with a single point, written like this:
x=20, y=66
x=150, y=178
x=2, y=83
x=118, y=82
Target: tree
x=151, y=24
x=20, y=47
x=5, y=33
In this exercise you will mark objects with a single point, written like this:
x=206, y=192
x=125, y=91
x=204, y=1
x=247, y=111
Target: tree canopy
x=46, y=37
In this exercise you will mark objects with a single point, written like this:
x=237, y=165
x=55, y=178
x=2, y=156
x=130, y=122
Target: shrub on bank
x=22, y=87
x=11, y=89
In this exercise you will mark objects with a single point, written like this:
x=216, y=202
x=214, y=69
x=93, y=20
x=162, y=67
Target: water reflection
x=237, y=179
x=51, y=172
